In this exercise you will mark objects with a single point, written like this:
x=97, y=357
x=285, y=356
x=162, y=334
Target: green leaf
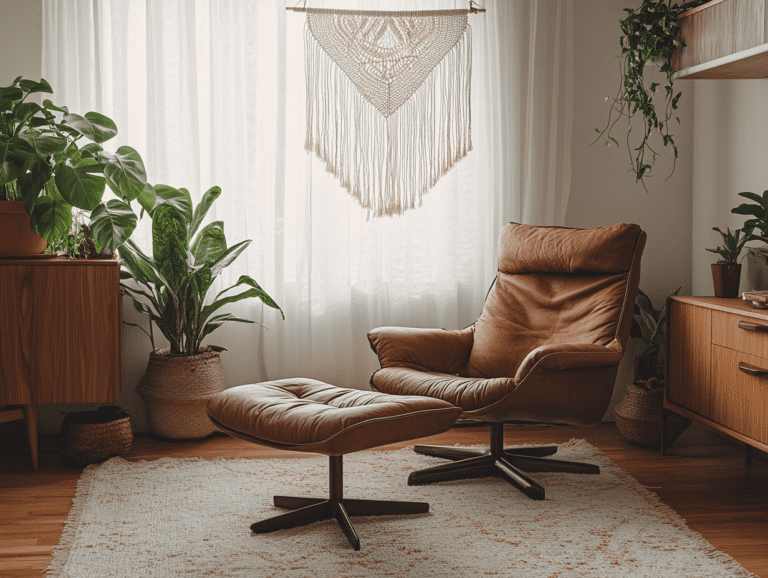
x=125, y=172
x=202, y=209
x=177, y=198
x=11, y=162
x=25, y=110
x=78, y=186
x=11, y=93
x=93, y=125
x=169, y=242
x=51, y=218
x=147, y=198
x=112, y=223
x=210, y=243
x=44, y=145
x=48, y=105
x=266, y=299
x=31, y=87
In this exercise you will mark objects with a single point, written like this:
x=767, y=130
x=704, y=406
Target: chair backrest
x=557, y=285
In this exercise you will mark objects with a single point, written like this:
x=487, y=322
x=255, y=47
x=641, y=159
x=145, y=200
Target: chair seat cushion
x=307, y=415
x=468, y=393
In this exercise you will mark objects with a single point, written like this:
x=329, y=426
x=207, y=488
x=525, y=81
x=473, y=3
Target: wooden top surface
x=737, y=305
x=45, y=260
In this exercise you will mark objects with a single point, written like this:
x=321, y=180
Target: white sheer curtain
x=211, y=92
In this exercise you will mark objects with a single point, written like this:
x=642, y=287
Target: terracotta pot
x=639, y=417
x=176, y=391
x=16, y=238
x=726, y=279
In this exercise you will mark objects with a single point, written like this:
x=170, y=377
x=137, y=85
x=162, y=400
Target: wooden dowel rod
x=299, y=9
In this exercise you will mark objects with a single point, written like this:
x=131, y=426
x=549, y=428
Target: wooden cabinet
x=723, y=39
x=717, y=366
x=60, y=334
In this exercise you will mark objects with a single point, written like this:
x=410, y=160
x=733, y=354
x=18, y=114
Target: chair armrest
x=440, y=350
x=562, y=356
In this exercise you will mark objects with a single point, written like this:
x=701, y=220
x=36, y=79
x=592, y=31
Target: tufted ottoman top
x=307, y=415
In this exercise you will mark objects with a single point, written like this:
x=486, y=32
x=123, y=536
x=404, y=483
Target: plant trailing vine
x=649, y=36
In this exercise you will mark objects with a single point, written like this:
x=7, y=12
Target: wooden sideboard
x=717, y=366
x=60, y=335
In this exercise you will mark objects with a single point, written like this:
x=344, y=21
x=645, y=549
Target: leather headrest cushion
x=532, y=249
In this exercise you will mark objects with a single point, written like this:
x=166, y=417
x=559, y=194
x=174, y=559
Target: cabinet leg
x=30, y=419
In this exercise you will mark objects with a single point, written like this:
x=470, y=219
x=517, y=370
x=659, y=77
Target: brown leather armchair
x=546, y=348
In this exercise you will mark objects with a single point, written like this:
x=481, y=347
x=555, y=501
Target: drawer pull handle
x=752, y=369
x=752, y=326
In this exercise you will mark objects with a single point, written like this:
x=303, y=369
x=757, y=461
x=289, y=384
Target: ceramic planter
x=16, y=237
x=176, y=391
x=726, y=279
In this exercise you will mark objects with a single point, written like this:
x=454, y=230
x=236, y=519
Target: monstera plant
x=53, y=161
x=171, y=286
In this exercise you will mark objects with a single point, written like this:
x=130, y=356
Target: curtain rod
x=472, y=9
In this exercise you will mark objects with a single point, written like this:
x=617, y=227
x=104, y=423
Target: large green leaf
x=266, y=299
x=31, y=184
x=31, y=87
x=112, y=223
x=147, y=198
x=170, y=243
x=210, y=243
x=93, y=125
x=79, y=186
x=51, y=218
x=177, y=198
x=125, y=172
x=11, y=93
x=202, y=209
x=44, y=145
x=11, y=164
x=228, y=257
x=25, y=110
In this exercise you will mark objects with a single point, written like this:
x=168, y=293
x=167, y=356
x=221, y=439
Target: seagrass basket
x=88, y=437
x=639, y=417
x=176, y=390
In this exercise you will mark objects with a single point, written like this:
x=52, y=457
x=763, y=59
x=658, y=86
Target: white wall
x=730, y=140
x=603, y=191
x=21, y=27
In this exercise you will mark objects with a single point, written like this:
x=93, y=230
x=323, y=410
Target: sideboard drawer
x=739, y=392
x=741, y=333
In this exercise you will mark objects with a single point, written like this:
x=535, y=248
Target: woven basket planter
x=88, y=437
x=639, y=417
x=176, y=391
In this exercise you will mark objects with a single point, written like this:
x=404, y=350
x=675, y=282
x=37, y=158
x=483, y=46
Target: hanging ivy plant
x=649, y=37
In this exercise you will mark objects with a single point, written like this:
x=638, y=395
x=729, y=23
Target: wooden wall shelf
x=725, y=39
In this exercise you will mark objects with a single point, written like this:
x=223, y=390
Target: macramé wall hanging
x=388, y=100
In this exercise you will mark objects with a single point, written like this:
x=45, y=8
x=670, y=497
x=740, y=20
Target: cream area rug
x=191, y=517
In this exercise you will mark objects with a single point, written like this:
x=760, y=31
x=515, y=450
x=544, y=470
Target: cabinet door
x=689, y=333
x=16, y=354
x=77, y=330
x=738, y=396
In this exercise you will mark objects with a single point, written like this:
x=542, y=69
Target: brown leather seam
x=327, y=441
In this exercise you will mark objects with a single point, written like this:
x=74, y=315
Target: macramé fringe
x=388, y=163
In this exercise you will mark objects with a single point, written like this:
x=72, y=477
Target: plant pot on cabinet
x=726, y=279
x=16, y=237
x=176, y=390
x=639, y=417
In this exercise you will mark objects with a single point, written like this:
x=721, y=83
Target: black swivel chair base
x=507, y=463
x=309, y=510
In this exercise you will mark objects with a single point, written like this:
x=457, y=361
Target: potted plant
x=48, y=166
x=639, y=413
x=170, y=286
x=726, y=273
x=649, y=37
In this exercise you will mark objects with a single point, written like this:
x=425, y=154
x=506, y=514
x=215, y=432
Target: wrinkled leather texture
x=549, y=340
x=533, y=249
x=311, y=416
x=523, y=312
x=437, y=350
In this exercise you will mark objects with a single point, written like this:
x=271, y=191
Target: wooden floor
x=705, y=479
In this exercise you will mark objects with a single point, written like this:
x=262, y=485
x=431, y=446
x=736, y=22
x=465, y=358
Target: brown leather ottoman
x=306, y=415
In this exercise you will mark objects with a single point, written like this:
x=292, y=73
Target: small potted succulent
x=51, y=161
x=170, y=286
x=639, y=413
x=726, y=273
